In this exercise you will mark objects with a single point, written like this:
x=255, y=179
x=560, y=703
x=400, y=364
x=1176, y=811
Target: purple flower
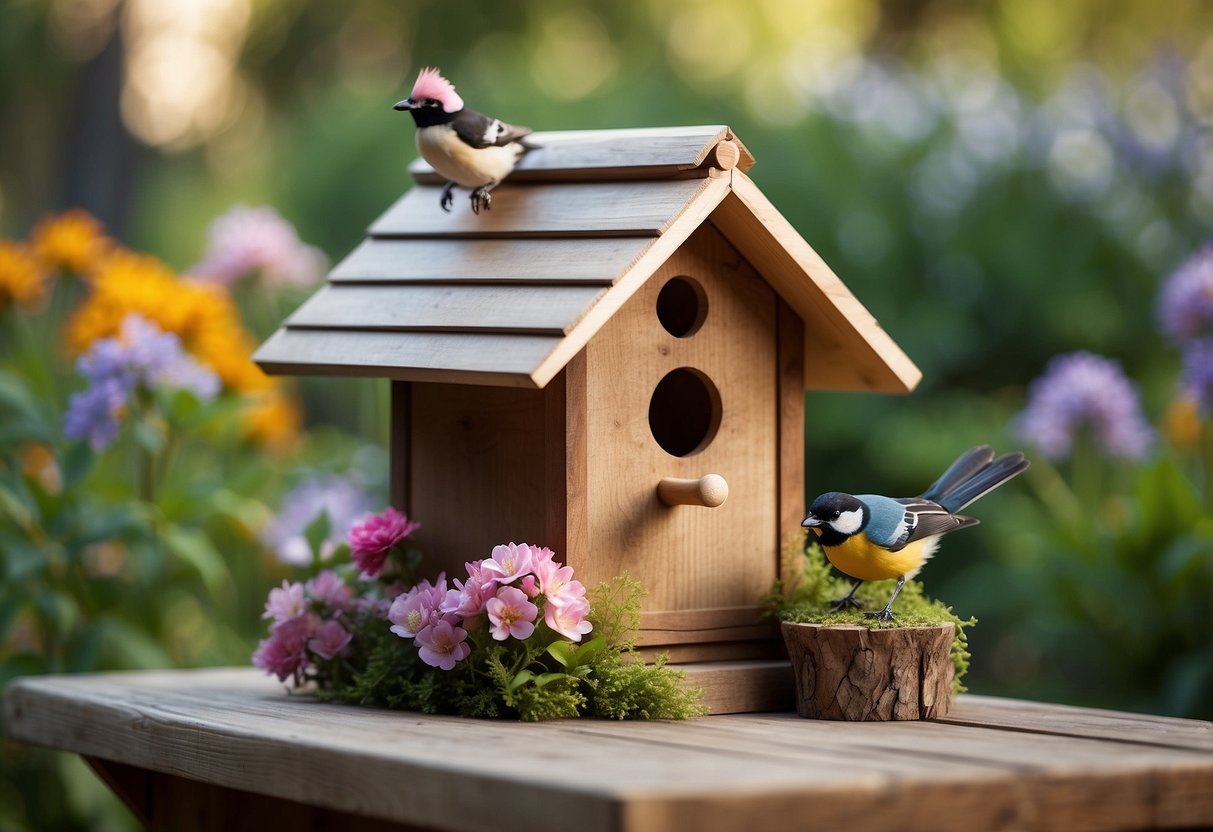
x=443, y=645
x=418, y=609
x=344, y=502
x=328, y=589
x=141, y=355
x=250, y=241
x=330, y=640
x=284, y=603
x=372, y=539
x=1185, y=306
x=1198, y=372
x=284, y=653
x=1081, y=390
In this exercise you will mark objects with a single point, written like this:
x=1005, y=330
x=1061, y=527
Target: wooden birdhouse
x=611, y=362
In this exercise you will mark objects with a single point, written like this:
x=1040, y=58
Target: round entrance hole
x=681, y=306
x=684, y=412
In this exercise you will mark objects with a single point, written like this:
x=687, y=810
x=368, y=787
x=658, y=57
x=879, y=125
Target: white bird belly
x=463, y=164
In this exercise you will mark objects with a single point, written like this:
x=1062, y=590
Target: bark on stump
x=857, y=674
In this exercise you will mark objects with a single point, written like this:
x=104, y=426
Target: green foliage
x=808, y=602
x=542, y=677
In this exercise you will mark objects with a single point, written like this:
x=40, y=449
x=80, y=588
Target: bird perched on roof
x=468, y=148
x=875, y=538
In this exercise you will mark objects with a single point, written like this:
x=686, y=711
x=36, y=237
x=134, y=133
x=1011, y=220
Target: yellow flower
x=70, y=240
x=22, y=279
x=1181, y=423
x=202, y=316
x=272, y=420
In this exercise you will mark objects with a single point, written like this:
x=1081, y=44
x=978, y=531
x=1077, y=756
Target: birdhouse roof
x=509, y=296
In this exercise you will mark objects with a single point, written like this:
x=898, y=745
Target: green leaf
x=562, y=652
x=317, y=533
x=75, y=464
x=16, y=508
x=589, y=651
x=20, y=557
x=522, y=677
x=194, y=548
x=545, y=679
x=149, y=436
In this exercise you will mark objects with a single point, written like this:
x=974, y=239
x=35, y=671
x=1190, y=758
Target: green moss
x=808, y=600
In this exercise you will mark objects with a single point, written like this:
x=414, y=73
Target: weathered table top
x=992, y=764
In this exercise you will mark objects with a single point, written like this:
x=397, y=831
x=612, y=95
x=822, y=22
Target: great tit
x=467, y=148
x=875, y=538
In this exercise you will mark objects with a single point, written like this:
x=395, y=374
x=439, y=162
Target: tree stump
x=858, y=674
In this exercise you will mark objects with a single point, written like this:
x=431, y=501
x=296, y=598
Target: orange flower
x=1181, y=423
x=272, y=420
x=22, y=278
x=204, y=317
x=70, y=240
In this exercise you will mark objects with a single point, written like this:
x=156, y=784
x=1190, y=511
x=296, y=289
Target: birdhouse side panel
x=683, y=382
x=482, y=469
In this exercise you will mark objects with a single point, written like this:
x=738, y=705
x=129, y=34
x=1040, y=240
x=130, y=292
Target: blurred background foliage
x=998, y=182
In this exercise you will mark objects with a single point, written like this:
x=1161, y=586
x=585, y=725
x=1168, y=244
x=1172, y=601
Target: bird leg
x=847, y=602
x=887, y=613
x=447, y=198
x=481, y=199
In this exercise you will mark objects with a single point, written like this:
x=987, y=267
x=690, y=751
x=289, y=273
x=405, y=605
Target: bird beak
x=406, y=104
x=811, y=522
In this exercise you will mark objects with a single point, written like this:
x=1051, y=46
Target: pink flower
x=441, y=645
x=248, y=241
x=418, y=608
x=285, y=602
x=284, y=653
x=511, y=614
x=529, y=587
x=328, y=588
x=469, y=597
x=508, y=563
x=330, y=640
x=556, y=581
x=372, y=539
x=567, y=615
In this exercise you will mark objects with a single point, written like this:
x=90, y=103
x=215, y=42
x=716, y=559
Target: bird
x=874, y=538
x=465, y=147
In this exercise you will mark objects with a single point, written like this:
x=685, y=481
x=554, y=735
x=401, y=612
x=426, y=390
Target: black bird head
x=433, y=99
x=836, y=516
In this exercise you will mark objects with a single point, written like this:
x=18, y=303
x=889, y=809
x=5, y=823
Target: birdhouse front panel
x=683, y=382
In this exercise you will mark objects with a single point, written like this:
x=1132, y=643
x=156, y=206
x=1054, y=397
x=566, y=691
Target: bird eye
x=837, y=514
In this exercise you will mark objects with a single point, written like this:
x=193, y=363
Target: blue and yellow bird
x=875, y=538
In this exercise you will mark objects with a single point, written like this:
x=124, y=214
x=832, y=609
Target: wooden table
x=230, y=749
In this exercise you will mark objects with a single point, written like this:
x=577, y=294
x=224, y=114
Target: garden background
x=1000, y=184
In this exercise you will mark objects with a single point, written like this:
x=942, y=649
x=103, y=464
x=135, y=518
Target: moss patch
x=807, y=601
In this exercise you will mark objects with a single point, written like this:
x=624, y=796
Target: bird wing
x=924, y=518
x=480, y=131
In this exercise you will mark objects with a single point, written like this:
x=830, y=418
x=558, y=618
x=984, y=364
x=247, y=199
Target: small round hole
x=681, y=306
x=684, y=412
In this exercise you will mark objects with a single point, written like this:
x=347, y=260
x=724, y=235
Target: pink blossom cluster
x=506, y=591
x=306, y=620
x=372, y=539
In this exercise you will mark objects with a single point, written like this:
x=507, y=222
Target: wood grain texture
x=479, y=470
x=687, y=557
x=236, y=728
x=790, y=454
x=846, y=348
x=533, y=310
x=455, y=358
x=595, y=260
x=858, y=674
x=608, y=209
x=641, y=153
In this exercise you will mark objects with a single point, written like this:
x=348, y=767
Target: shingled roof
x=508, y=297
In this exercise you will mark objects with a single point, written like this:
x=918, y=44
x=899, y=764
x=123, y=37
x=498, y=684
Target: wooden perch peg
x=708, y=491
x=725, y=155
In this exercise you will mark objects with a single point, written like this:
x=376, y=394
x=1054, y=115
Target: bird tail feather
x=973, y=476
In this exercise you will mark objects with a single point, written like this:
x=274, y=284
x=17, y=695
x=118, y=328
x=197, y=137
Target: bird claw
x=847, y=603
x=447, y=198
x=481, y=199
x=883, y=615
